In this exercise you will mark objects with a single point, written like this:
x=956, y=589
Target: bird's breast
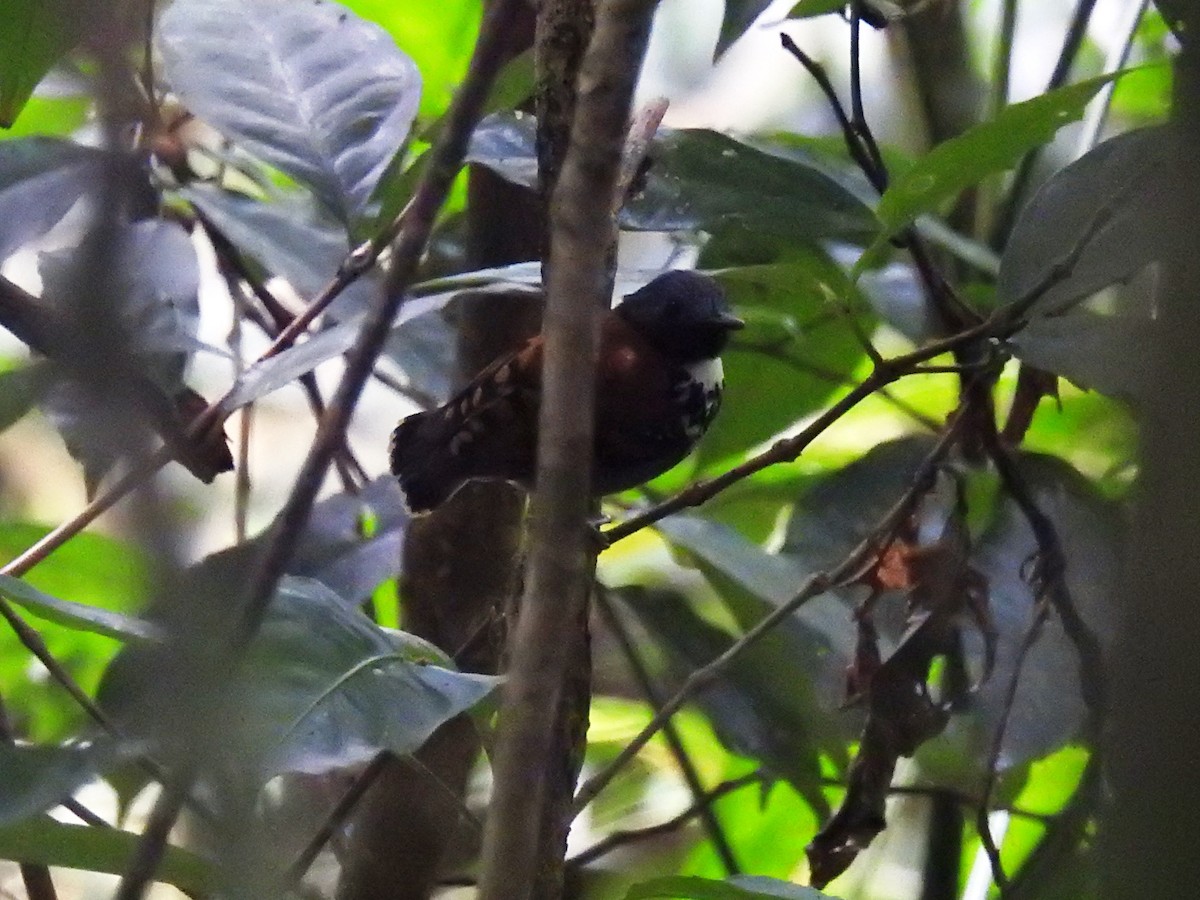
x=698, y=395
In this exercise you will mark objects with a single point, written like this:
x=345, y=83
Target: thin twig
x=1118, y=55
x=701, y=806
x=991, y=774
x=337, y=817
x=845, y=571
x=1072, y=41
x=153, y=842
x=645, y=683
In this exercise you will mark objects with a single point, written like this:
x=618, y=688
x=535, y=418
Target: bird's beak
x=728, y=321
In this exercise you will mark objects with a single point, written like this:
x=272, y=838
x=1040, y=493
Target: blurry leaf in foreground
x=322, y=687
x=76, y=615
x=40, y=180
x=47, y=842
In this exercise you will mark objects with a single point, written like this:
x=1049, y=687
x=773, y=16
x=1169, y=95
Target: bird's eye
x=673, y=308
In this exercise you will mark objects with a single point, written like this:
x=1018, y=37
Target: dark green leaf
x=705, y=180
x=311, y=88
x=1106, y=208
x=990, y=147
x=322, y=687
x=20, y=391
x=111, y=850
x=1105, y=212
x=777, y=701
x=839, y=512
x=38, y=777
x=1106, y=353
x=76, y=615
x=327, y=688
x=739, y=16
x=40, y=180
x=686, y=887
x=33, y=35
x=808, y=8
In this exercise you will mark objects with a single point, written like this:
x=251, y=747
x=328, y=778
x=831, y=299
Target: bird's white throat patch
x=708, y=373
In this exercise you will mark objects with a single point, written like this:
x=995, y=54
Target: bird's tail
x=427, y=471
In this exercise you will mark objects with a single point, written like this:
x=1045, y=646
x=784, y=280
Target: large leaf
x=337, y=699
x=1106, y=209
x=1104, y=212
x=290, y=238
x=153, y=287
x=705, y=180
x=111, y=850
x=990, y=147
x=39, y=777
x=796, y=350
x=309, y=87
x=271, y=374
x=40, y=180
x=322, y=687
x=33, y=35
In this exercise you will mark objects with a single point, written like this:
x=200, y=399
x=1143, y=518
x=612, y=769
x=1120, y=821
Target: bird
x=659, y=381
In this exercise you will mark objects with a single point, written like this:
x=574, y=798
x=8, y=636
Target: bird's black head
x=684, y=314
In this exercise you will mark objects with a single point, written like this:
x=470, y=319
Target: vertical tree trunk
x=1148, y=847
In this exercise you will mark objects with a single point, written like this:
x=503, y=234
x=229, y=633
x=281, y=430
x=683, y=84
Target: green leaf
x=328, y=688
x=76, y=615
x=311, y=88
x=34, y=34
x=47, y=842
x=321, y=687
x=706, y=180
x=739, y=16
x=993, y=146
x=38, y=777
x=806, y=9
x=685, y=887
x=20, y=390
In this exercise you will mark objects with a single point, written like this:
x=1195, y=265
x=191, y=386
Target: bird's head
x=682, y=313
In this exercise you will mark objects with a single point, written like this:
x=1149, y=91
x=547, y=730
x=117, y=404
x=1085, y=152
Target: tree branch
x=579, y=290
